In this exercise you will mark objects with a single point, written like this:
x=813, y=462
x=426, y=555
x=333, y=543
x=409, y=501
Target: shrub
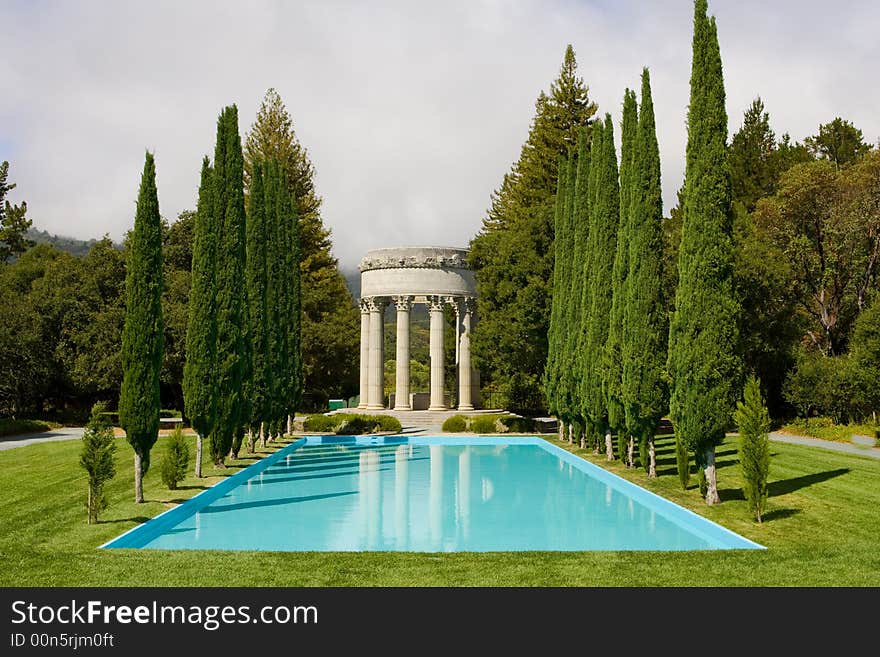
x=322, y=423
x=176, y=460
x=355, y=425
x=388, y=423
x=455, y=424
x=753, y=422
x=97, y=459
x=518, y=424
x=483, y=424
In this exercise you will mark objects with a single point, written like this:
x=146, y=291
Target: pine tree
x=142, y=334
x=753, y=172
x=753, y=422
x=601, y=249
x=613, y=359
x=292, y=306
x=513, y=254
x=329, y=328
x=703, y=362
x=644, y=389
x=258, y=247
x=199, y=380
x=231, y=293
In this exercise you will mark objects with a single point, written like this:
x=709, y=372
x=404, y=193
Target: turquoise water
x=426, y=495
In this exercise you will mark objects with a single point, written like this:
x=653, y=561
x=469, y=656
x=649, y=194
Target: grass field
x=821, y=529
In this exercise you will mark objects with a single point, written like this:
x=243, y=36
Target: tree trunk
x=262, y=435
x=199, y=456
x=138, y=479
x=711, y=480
x=571, y=435
x=289, y=425
x=609, y=449
x=652, y=459
x=250, y=441
x=561, y=428
x=630, y=450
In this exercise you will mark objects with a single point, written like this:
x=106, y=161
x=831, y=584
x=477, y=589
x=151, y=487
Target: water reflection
x=401, y=495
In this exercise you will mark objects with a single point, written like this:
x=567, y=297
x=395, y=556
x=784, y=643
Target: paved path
x=65, y=433
x=849, y=448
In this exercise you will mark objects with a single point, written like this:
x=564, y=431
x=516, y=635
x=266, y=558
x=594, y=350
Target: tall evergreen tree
x=565, y=378
x=703, y=361
x=258, y=303
x=231, y=292
x=644, y=390
x=512, y=255
x=142, y=334
x=584, y=286
x=277, y=293
x=330, y=323
x=292, y=306
x=753, y=172
x=613, y=360
x=601, y=250
x=199, y=379
x=580, y=226
x=555, y=336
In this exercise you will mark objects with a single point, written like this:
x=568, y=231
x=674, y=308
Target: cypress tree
x=613, y=360
x=277, y=295
x=582, y=362
x=580, y=226
x=292, y=306
x=142, y=334
x=199, y=380
x=565, y=377
x=753, y=422
x=231, y=292
x=600, y=252
x=257, y=283
x=554, y=331
x=703, y=362
x=644, y=389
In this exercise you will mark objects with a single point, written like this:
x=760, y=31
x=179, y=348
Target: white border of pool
x=719, y=537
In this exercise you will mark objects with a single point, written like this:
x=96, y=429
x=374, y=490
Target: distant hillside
x=71, y=245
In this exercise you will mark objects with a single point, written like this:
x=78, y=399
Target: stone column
x=375, y=389
x=464, y=362
x=401, y=383
x=438, y=322
x=365, y=353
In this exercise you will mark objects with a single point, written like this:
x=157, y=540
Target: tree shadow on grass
x=786, y=486
x=192, y=488
x=728, y=494
x=779, y=514
x=137, y=519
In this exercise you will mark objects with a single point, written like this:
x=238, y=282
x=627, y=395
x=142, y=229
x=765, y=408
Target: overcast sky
x=411, y=111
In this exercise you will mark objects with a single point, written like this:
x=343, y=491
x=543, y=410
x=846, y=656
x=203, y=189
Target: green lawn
x=821, y=530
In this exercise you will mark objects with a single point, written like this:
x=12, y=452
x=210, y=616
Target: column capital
x=436, y=303
x=365, y=306
x=403, y=301
x=376, y=304
x=468, y=305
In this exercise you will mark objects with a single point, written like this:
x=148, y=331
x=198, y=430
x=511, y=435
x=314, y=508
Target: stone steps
x=422, y=418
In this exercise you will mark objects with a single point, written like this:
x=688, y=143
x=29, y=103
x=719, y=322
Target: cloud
x=411, y=112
